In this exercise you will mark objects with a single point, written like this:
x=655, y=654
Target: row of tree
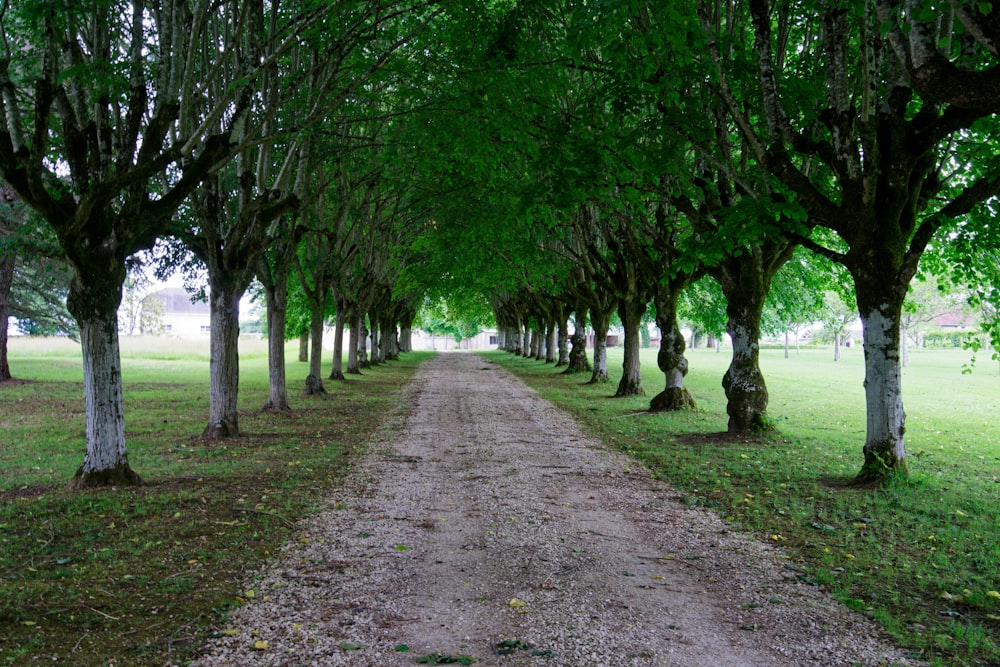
x=556, y=159
x=230, y=132
x=619, y=152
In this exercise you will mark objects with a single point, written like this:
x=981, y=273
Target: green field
x=921, y=556
x=142, y=576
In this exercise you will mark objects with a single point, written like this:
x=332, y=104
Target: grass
x=143, y=576
x=921, y=556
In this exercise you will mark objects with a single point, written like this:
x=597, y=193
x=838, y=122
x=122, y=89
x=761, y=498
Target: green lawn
x=142, y=576
x=922, y=557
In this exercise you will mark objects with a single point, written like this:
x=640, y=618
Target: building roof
x=176, y=301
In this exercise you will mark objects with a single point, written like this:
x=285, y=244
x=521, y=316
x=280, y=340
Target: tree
x=105, y=137
x=855, y=122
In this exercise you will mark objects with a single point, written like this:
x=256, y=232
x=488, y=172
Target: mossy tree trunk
x=631, y=311
x=745, y=279
x=670, y=359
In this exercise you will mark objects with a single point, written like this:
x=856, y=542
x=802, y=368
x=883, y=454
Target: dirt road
x=484, y=525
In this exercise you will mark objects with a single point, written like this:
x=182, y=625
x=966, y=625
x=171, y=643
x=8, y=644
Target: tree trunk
x=563, y=340
x=836, y=346
x=376, y=338
x=746, y=281
x=786, y=345
x=406, y=330
x=7, y=261
x=631, y=311
x=354, y=342
x=552, y=342
x=362, y=344
x=314, y=381
x=670, y=359
x=224, y=367
x=746, y=391
x=578, y=362
x=337, y=369
x=276, y=297
x=600, y=322
x=880, y=305
x=304, y=346
x=94, y=301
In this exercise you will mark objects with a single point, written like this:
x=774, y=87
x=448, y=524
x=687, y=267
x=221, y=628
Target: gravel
x=484, y=524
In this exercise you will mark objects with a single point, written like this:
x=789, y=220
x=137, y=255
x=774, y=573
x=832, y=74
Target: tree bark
x=631, y=311
x=353, y=343
x=406, y=330
x=276, y=297
x=836, y=346
x=746, y=391
x=552, y=342
x=7, y=261
x=746, y=281
x=578, y=362
x=314, y=381
x=880, y=305
x=224, y=367
x=337, y=368
x=363, y=344
x=600, y=322
x=670, y=359
x=375, y=334
x=304, y=346
x=94, y=303
x=563, y=339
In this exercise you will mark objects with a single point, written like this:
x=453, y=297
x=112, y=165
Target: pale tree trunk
x=276, y=296
x=353, y=343
x=7, y=262
x=552, y=342
x=95, y=307
x=631, y=311
x=304, y=346
x=786, y=345
x=885, y=449
x=670, y=358
x=224, y=367
x=578, y=362
x=600, y=322
x=563, y=339
x=314, y=381
x=540, y=340
x=337, y=369
x=836, y=346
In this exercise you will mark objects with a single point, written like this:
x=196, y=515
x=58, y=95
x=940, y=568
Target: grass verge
x=921, y=556
x=142, y=576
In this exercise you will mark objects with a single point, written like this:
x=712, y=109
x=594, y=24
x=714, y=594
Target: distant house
x=954, y=320
x=181, y=317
